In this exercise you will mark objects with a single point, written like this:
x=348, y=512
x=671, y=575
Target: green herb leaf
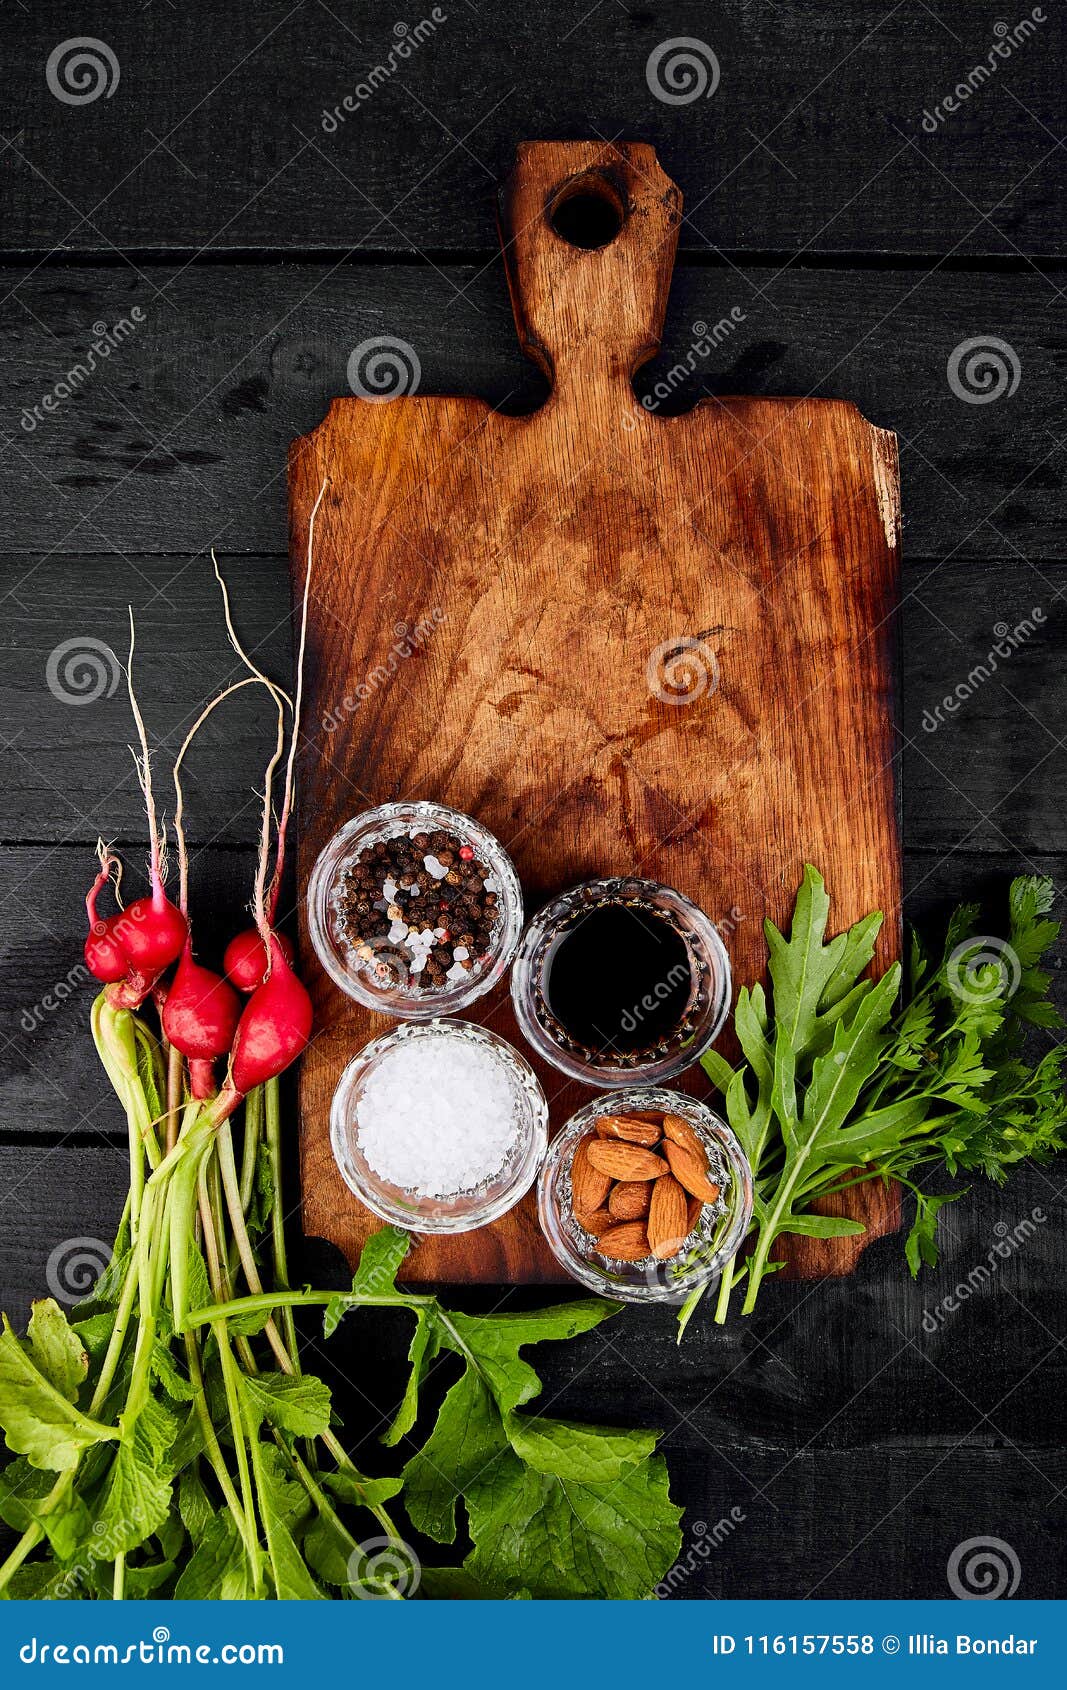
x=56, y=1349
x=38, y=1421
x=921, y=1244
x=554, y=1509
x=296, y=1404
x=218, y=1567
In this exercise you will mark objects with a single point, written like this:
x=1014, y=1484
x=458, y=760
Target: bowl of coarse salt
x=440, y=1126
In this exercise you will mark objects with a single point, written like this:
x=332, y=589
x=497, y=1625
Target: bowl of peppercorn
x=414, y=909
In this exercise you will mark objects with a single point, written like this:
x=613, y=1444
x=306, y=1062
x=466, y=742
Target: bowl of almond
x=645, y=1195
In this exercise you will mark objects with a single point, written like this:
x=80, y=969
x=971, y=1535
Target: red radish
x=200, y=1018
x=104, y=956
x=274, y=1027
x=245, y=959
x=152, y=932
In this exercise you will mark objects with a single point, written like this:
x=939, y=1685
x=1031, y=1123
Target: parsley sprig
x=846, y=1079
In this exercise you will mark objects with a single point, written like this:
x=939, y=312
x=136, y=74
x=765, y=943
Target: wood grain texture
x=981, y=774
x=564, y=562
x=811, y=143
x=178, y=442
x=51, y=1084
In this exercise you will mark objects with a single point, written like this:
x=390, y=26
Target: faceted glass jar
x=709, y=996
x=396, y=993
x=714, y=1241
x=462, y=1211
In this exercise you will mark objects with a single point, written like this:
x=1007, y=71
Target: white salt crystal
x=389, y=891
x=461, y=953
x=439, y=1115
x=398, y=930
x=432, y=866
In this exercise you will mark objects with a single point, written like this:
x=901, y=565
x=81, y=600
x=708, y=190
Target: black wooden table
x=232, y=198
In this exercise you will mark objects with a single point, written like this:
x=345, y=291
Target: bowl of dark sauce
x=621, y=979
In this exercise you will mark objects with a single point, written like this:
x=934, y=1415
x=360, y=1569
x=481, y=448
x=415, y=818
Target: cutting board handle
x=589, y=231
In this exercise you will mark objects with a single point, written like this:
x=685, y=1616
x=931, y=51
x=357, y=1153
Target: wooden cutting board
x=645, y=645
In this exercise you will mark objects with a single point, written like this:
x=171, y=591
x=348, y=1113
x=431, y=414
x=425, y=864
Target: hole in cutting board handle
x=588, y=213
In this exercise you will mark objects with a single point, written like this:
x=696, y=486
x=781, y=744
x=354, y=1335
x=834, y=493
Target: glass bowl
x=663, y=1059
x=462, y=1211
x=378, y=973
x=715, y=1239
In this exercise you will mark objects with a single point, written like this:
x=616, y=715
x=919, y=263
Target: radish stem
x=277, y=1217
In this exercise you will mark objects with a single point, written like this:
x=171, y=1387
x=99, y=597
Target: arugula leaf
x=833, y=1079
x=27, y=1498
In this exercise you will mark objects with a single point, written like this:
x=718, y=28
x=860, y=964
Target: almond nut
x=629, y=1199
x=629, y=1129
x=627, y=1242
x=589, y=1185
x=678, y=1130
x=690, y=1171
x=696, y=1209
x=668, y=1218
x=597, y=1222
x=624, y=1161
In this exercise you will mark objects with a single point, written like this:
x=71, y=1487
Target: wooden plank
x=554, y=559
x=177, y=439
x=59, y=1212
x=817, y=1397
x=51, y=1082
x=863, y=1523
x=979, y=773
x=813, y=138
x=51, y=1077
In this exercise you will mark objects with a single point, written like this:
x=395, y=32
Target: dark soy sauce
x=618, y=977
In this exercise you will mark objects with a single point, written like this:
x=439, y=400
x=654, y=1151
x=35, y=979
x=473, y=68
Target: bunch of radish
x=132, y=950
